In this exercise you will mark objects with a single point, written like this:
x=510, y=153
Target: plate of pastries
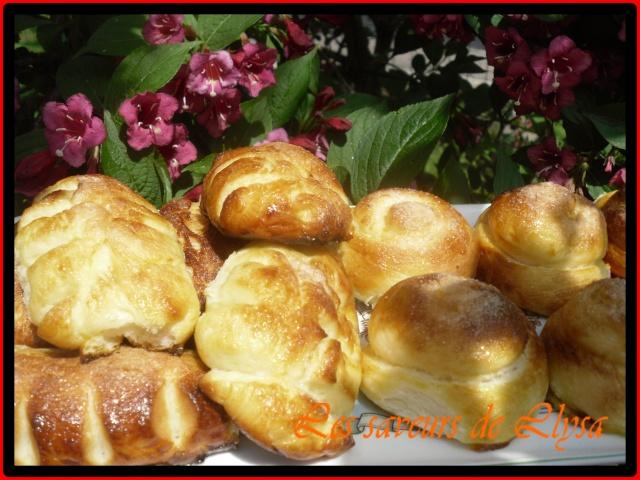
x=273, y=322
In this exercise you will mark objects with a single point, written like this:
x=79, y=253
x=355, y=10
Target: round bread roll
x=276, y=191
x=447, y=346
x=280, y=336
x=541, y=243
x=134, y=407
x=614, y=208
x=585, y=343
x=399, y=233
x=97, y=264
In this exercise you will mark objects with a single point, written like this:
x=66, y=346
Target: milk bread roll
x=540, y=244
x=614, y=209
x=276, y=191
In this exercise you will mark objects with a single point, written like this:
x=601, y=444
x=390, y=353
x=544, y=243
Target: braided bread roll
x=586, y=344
x=280, y=335
x=134, y=407
x=614, y=209
x=442, y=345
x=540, y=244
x=276, y=191
x=97, y=264
x=399, y=233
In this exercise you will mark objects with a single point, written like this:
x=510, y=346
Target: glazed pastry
x=540, y=244
x=400, y=233
x=133, y=407
x=614, y=208
x=24, y=332
x=442, y=345
x=205, y=248
x=280, y=336
x=276, y=191
x=586, y=345
x=98, y=264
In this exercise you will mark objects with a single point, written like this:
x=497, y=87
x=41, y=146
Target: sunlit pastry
x=540, y=244
x=279, y=334
x=447, y=346
x=400, y=233
x=98, y=264
x=614, y=208
x=586, y=345
x=276, y=191
x=133, y=407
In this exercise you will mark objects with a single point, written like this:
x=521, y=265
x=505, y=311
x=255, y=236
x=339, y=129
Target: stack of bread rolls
x=263, y=273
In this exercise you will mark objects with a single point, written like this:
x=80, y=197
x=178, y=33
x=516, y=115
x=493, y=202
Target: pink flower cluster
x=550, y=162
x=438, y=26
x=540, y=81
x=163, y=29
x=315, y=138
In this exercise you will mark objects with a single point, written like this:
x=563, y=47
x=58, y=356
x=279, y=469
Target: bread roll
x=276, y=192
x=399, y=233
x=541, y=243
x=614, y=208
x=280, y=335
x=585, y=342
x=24, y=332
x=98, y=264
x=205, y=248
x=442, y=345
x=133, y=407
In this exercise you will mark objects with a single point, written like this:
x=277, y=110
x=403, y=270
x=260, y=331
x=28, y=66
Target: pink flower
x=148, y=117
x=619, y=179
x=437, y=26
x=71, y=129
x=561, y=65
x=209, y=73
x=550, y=162
x=504, y=46
x=297, y=42
x=194, y=194
x=255, y=63
x=551, y=105
x=180, y=151
x=160, y=29
x=277, y=135
x=16, y=91
x=521, y=85
x=220, y=111
x=37, y=171
x=316, y=142
x=270, y=18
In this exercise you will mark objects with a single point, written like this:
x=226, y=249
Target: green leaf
x=276, y=105
x=147, y=68
x=474, y=22
x=87, y=74
x=22, y=22
x=28, y=143
x=138, y=170
x=453, y=184
x=496, y=19
x=340, y=157
x=218, y=31
x=550, y=18
x=118, y=36
x=201, y=167
x=395, y=141
x=596, y=190
x=28, y=38
x=609, y=120
x=507, y=174
x=356, y=101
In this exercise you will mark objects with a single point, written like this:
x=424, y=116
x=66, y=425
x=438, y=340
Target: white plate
x=607, y=449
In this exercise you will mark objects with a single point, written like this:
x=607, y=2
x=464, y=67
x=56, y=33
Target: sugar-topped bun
x=541, y=243
x=399, y=233
x=276, y=191
x=442, y=345
x=614, y=208
x=586, y=345
x=97, y=264
x=279, y=334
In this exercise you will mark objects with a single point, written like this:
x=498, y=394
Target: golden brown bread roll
x=279, y=333
x=97, y=264
x=586, y=344
x=442, y=345
x=133, y=407
x=24, y=332
x=614, y=209
x=541, y=243
x=276, y=191
x=205, y=248
x=399, y=233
